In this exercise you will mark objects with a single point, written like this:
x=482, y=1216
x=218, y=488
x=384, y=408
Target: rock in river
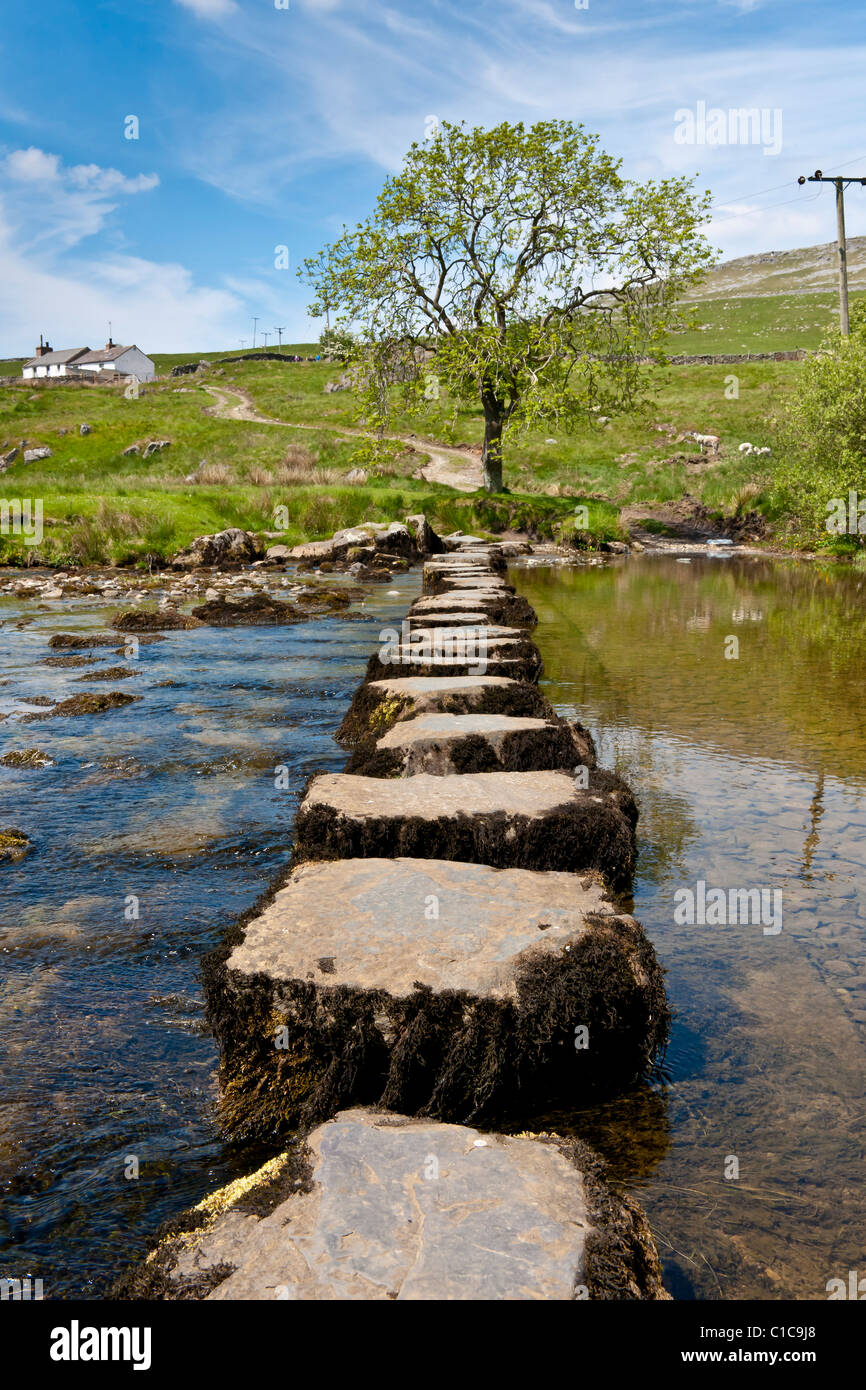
x=524, y=820
x=431, y=987
x=381, y=1207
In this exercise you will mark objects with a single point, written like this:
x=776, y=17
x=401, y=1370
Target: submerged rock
x=84, y=640
x=65, y=661
x=381, y=1207
x=256, y=610
x=153, y=620
x=377, y=705
x=14, y=845
x=109, y=673
x=26, y=757
x=526, y=820
x=441, y=988
x=88, y=702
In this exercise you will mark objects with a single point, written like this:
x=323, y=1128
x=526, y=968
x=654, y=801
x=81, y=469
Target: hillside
x=804, y=270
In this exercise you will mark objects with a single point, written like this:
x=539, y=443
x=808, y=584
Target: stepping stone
x=444, y=744
x=500, y=606
x=492, y=559
x=428, y=986
x=444, y=581
x=463, y=651
x=521, y=820
x=464, y=619
x=378, y=705
x=381, y=1207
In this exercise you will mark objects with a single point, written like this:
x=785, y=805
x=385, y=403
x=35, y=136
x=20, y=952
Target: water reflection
x=751, y=772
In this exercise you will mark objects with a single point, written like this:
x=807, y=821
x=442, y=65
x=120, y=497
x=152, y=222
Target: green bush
x=823, y=452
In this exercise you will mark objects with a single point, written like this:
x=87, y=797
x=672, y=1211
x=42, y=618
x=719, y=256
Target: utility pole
x=280, y=331
x=243, y=342
x=255, y=321
x=840, y=184
x=265, y=336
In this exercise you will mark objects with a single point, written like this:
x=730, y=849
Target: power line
x=839, y=184
x=761, y=192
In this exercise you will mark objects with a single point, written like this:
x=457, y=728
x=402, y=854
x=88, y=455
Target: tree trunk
x=491, y=455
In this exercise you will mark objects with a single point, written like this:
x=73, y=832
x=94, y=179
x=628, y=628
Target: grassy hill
x=101, y=505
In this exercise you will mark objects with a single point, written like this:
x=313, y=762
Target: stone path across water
x=445, y=947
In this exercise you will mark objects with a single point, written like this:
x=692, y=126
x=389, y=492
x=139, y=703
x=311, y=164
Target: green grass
x=767, y=323
x=101, y=506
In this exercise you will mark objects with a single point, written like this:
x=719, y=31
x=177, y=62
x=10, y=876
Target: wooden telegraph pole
x=818, y=177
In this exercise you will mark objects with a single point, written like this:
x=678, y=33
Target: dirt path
x=457, y=468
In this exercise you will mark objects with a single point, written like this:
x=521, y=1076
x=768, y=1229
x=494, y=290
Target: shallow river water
x=751, y=772
x=161, y=822
x=158, y=824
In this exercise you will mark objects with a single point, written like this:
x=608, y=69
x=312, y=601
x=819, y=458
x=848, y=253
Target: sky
x=154, y=156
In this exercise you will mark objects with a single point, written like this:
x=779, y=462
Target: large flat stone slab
x=455, y=651
x=499, y=606
x=444, y=744
x=377, y=705
x=491, y=559
x=430, y=986
x=524, y=820
x=381, y=1207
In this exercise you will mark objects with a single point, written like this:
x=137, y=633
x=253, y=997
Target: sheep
x=711, y=441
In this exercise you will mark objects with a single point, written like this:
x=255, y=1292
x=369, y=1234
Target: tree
x=821, y=477
x=531, y=272
x=336, y=344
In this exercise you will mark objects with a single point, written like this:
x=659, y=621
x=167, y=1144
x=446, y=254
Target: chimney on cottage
x=109, y=345
x=42, y=348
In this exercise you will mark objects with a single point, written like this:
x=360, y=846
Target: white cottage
x=114, y=361
x=50, y=363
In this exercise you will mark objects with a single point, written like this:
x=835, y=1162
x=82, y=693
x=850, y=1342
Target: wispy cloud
x=209, y=9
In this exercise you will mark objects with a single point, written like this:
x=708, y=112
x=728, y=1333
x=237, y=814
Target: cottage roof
x=54, y=359
x=104, y=355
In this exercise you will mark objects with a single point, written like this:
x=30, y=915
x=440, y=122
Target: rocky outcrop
x=224, y=550
x=166, y=619
x=258, y=610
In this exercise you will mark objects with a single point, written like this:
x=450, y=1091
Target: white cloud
x=32, y=165
x=54, y=208
x=46, y=212
x=159, y=307
x=209, y=9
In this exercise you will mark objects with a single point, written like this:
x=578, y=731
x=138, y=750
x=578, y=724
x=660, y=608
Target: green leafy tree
x=337, y=344
x=516, y=269
x=823, y=441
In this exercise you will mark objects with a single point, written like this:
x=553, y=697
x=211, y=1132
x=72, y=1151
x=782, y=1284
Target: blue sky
x=262, y=126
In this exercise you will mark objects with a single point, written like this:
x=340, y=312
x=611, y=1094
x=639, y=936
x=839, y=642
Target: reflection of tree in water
x=816, y=811
x=624, y=642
